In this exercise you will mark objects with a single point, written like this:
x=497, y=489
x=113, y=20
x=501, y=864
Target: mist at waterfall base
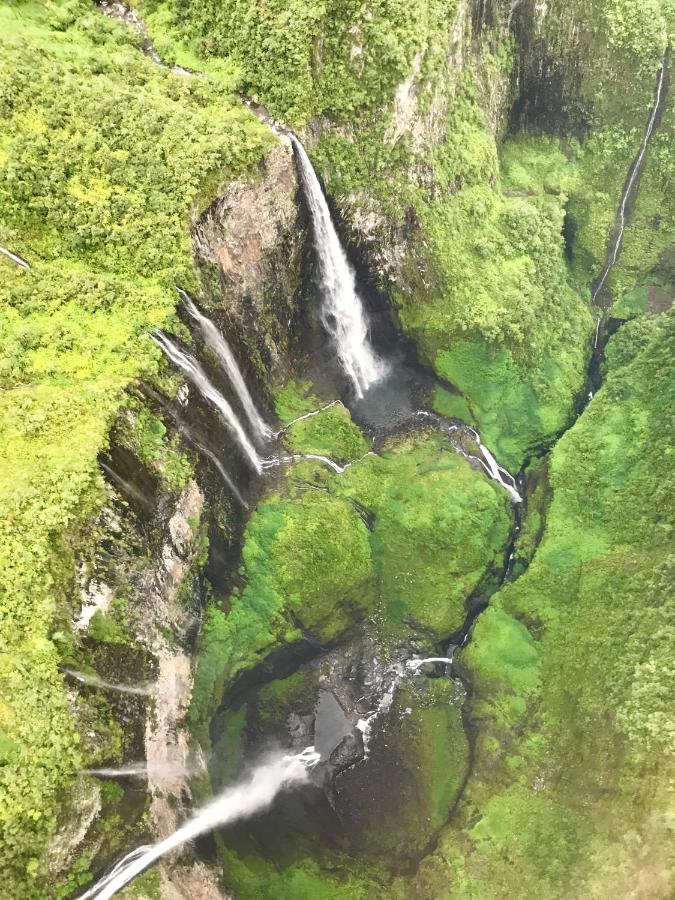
x=363, y=348
x=249, y=796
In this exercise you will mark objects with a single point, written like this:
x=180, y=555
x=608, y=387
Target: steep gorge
x=445, y=150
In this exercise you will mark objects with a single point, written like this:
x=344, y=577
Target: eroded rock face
x=421, y=119
x=252, y=235
x=163, y=611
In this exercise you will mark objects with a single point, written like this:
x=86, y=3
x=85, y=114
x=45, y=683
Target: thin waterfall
x=239, y=802
x=187, y=434
x=190, y=437
x=15, y=259
x=98, y=682
x=342, y=311
x=221, y=349
x=126, y=486
x=632, y=179
x=191, y=368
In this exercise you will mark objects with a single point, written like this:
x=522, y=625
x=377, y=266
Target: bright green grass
x=103, y=160
x=572, y=664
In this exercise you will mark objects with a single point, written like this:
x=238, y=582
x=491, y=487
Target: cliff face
x=248, y=247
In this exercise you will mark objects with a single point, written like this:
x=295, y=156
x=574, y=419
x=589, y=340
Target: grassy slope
x=572, y=668
x=102, y=157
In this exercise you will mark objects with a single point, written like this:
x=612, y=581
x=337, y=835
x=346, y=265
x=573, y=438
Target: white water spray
x=97, y=682
x=496, y=472
x=342, y=312
x=597, y=333
x=635, y=172
x=130, y=770
x=191, y=368
x=273, y=462
x=221, y=349
x=238, y=802
x=415, y=664
x=15, y=259
x=489, y=464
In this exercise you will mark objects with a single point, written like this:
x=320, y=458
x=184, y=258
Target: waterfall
x=126, y=486
x=495, y=471
x=239, y=802
x=130, y=770
x=342, y=312
x=191, y=368
x=98, y=682
x=221, y=349
x=15, y=259
x=632, y=179
x=415, y=664
x=187, y=434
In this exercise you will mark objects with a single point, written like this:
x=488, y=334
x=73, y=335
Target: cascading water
x=632, y=180
x=238, y=802
x=191, y=368
x=126, y=486
x=221, y=349
x=342, y=312
x=15, y=259
x=98, y=682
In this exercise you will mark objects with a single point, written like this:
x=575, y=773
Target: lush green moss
x=110, y=627
x=293, y=399
x=330, y=432
x=295, y=694
x=254, y=879
x=307, y=567
x=438, y=526
x=102, y=157
x=451, y=405
x=572, y=659
x=508, y=333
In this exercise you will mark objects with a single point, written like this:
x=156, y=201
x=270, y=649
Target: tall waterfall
x=195, y=373
x=342, y=312
x=632, y=179
x=219, y=346
x=239, y=802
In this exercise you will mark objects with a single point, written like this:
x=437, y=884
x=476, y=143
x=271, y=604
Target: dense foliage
x=312, y=568
x=102, y=157
x=575, y=659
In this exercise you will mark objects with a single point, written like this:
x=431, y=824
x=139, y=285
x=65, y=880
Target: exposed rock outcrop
x=250, y=239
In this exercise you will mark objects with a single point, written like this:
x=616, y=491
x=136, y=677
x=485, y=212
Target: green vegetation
x=438, y=527
x=307, y=568
x=330, y=432
x=104, y=156
x=488, y=249
x=574, y=659
x=312, y=567
x=110, y=627
x=302, y=59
